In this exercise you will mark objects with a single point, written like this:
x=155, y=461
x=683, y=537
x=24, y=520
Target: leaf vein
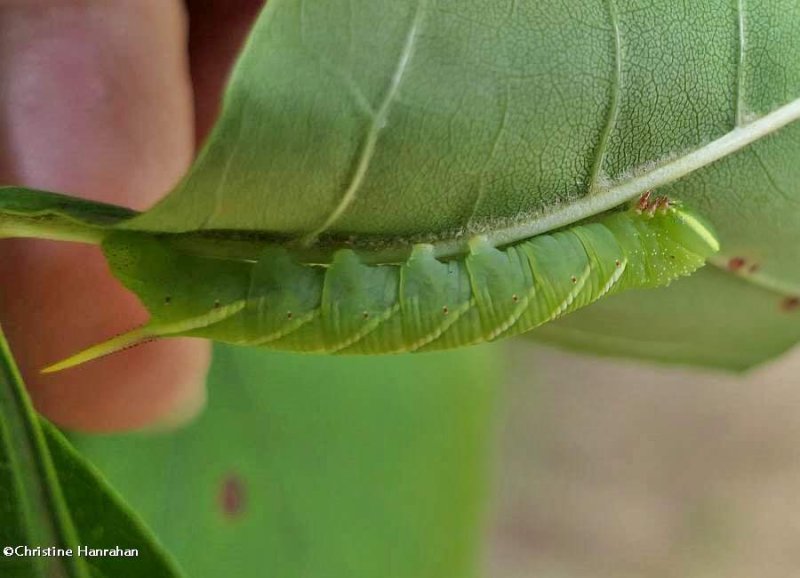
x=757, y=279
x=376, y=125
x=630, y=188
x=614, y=101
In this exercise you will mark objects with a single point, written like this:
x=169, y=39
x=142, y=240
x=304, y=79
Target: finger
x=216, y=33
x=95, y=101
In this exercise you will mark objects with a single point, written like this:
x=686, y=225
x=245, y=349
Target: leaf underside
x=364, y=120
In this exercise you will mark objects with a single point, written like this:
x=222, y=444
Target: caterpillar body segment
x=423, y=304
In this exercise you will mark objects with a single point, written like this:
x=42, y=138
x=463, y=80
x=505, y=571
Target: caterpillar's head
x=683, y=225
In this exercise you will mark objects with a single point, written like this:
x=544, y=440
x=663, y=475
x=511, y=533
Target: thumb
x=95, y=101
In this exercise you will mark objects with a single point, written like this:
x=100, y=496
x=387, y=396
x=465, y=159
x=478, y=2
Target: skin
x=104, y=100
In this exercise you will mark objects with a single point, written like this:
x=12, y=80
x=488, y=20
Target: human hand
x=103, y=100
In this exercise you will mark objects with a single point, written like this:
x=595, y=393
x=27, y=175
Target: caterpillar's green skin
x=422, y=304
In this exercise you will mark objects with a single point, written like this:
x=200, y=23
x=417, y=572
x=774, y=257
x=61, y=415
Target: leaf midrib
x=390, y=250
x=631, y=188
x=247, y=246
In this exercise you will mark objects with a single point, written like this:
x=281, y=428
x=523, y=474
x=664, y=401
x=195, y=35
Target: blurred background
x=585, y=466
x=618, y=468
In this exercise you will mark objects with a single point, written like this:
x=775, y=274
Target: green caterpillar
x=423, y=304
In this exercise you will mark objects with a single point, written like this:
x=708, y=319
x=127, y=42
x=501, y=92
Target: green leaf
x=104, y=520
x=50, y=497
x=419, y=118
x=32, y=213
x=320, y=466
x=434, y=120
x=34, y=511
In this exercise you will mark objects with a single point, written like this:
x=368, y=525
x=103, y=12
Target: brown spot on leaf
x=736, y=263
x=445, y=310
x=232, y=496
x=574, y=279
x=288, y=315
x=754, y=267
x=790, y=304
